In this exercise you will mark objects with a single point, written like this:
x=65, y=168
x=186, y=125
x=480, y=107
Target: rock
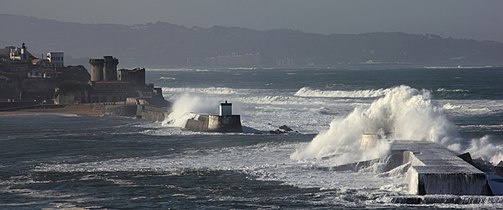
x=285, y=128
x=499, y=168
x=466, y=157
x=277, y=131
x=282, y=129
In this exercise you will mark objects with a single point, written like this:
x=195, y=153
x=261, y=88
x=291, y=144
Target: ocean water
x=122, y=163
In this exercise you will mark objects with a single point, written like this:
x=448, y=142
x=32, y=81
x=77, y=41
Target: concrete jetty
x=436, y=170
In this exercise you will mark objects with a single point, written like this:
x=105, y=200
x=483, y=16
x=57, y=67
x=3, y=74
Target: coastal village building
x=56, y=59
x=42, y=73
x=52, y=59
x=28, y=81
x=20, y=54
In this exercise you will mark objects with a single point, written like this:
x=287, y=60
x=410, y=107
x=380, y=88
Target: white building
x=56, y=59
x=19, y=54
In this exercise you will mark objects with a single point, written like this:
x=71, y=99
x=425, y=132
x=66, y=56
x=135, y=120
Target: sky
x=469, y=19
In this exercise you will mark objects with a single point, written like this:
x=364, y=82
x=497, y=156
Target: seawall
x=436, y=170
x=147, y=112
x=215, y=123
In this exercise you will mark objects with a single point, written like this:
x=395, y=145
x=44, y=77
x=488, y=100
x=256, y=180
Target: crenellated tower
x=110, y=68
x=97, y=69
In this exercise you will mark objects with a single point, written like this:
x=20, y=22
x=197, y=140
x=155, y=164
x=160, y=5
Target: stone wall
x=151, y=113
x=225, y=124
x=215, y=123
x=121, y=110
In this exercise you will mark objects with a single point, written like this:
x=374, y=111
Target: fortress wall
x=121, y=110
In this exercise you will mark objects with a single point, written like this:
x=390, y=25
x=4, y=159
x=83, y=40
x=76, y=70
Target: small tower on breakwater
x=225, y=122
x=226, y=109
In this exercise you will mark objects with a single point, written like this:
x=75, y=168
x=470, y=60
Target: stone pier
x=436, y=170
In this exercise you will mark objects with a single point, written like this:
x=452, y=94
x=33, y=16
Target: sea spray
x=483, y=148
x=403, y=113
x=186, y=106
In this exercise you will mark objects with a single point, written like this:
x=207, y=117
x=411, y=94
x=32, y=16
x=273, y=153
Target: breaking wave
x=474, y=107
x=208, y=90
x=484, y=149
x=452, y=90
x=167, y=78
x=308, y=92
x=177, y=70
x=279, y=100
x=403, y=113
x=185, y=107
x=493, y=128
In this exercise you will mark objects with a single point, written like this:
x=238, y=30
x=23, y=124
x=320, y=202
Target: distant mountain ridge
x=163, y=44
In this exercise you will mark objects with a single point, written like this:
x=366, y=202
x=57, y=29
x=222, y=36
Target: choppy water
x=122, y=163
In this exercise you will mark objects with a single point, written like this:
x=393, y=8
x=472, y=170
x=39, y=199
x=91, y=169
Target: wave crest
x=208, y=90
x=308, y=92
x=403, y=113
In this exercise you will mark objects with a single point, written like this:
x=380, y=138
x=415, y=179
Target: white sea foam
x=208, y=90
x=167, y=78
x=484, y=149
x=472, y=107
x=308, y=92
x=452, y=90
x=280, y=100
x=186, y=106
x=266, y=161
x=449, y=106
x=404, y=112
x=264, y=109
x=177, y=69
x=494, y=128
x=457, y=67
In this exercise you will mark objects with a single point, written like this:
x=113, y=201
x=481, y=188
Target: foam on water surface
x=269, y=162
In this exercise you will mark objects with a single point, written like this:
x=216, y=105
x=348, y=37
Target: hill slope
x=165, y=44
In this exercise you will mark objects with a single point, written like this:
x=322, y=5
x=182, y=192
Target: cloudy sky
x=475, y=19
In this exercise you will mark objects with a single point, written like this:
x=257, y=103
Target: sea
x=78, y=162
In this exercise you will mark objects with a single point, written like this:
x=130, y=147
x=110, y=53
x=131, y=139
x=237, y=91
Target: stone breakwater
x=147, y=112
